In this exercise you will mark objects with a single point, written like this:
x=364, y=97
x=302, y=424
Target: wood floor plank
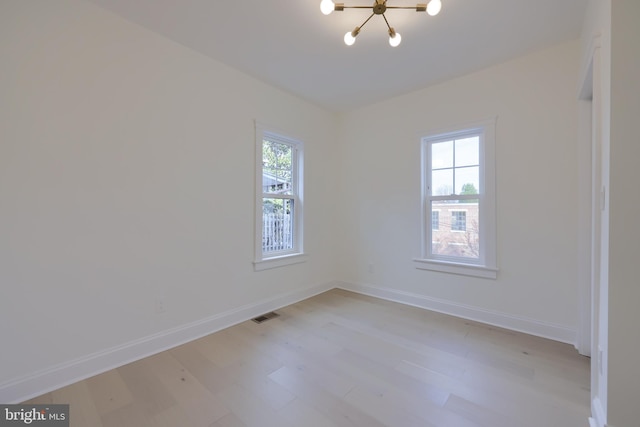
x=128, y=416
x=229, y=420
x=212, y=377
x=190, y=394
x=250, y=409
x=506, y=403
x=109, y=391
x=173, y=417
x=482, y=415
x=333, y=407
x=299, y=413
x=259, y=383
x=387, y=407
x=82, y=408
x=148, y=392
x=431, y=393
x=340, y=359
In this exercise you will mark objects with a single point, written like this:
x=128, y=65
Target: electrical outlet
x=370, y=268
x=160, y=305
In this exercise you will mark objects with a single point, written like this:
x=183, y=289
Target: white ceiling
x=290, y=44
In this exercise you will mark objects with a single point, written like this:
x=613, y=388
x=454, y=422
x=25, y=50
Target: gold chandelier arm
x=366, y=20
x=418, y=8
x=387, y=22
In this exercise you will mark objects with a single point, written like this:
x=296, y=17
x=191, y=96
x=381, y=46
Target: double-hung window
x=458, y=188
x=278, y=199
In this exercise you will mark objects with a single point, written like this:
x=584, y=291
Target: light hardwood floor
x=343, y=359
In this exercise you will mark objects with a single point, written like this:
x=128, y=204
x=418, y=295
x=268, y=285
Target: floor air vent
x=265, y=317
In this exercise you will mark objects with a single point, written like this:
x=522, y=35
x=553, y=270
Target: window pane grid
x=458, y=233
x=455, y=166
x=277, y=168
x=277, y=224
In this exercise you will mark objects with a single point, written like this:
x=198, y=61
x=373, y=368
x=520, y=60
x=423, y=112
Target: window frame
x=280, y=258
x=485, y=265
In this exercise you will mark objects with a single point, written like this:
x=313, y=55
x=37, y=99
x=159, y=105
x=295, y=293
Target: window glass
x=467, y=151
x=467, y=180
x=442, y=182
x=277, y=172
x=277, y=224
x=442, y=155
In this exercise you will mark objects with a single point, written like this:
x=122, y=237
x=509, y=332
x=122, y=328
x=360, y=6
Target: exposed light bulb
x=434, y=6
x=395, y=39
x=349, y=38
x=327, y=6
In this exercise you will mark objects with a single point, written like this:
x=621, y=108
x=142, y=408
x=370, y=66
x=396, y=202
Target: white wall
x=535, y=100
x=127, y=172
x=624, y=234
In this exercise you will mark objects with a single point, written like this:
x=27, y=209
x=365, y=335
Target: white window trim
x=456, y=268
x=279, y=261
x=486, y=266
x=296, y=254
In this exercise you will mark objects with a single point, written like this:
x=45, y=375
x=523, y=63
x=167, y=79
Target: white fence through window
x=277, y=232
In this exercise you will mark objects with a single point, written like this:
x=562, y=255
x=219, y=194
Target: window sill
x=280, y=261
x=457, y=268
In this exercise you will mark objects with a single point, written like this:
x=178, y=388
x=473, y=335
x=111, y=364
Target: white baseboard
x=29, y=386
x=503, y=320
x=597, y=412
x=54, y=377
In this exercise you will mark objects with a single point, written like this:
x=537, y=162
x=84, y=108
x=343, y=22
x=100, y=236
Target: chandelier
x=379, y=8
